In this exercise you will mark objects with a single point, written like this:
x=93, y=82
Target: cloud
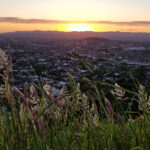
x=28, y=21
x=44, y=21
x=132, y=23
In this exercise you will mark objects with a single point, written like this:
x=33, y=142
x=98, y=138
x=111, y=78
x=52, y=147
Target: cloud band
x=44, y=21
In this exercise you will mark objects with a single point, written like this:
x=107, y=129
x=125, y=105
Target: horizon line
x=75, y=31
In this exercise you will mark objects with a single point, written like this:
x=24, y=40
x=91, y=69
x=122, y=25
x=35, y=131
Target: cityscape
x=74, y=74
x=51, y=60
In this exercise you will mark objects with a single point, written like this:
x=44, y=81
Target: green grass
x=72, y=120
x=104, y=117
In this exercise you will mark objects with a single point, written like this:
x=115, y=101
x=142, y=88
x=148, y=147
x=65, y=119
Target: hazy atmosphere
x=74, y=74
x=75, y=15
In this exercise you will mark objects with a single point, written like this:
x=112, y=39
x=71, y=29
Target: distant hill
x=127, y=36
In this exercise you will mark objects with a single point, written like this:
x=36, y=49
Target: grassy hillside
x=36, y=119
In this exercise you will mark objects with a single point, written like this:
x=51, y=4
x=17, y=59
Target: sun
x=79, y=27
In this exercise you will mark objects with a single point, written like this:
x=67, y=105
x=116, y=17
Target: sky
x=75, y=15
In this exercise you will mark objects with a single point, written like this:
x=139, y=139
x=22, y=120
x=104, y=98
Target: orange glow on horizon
x=79, y=27
x=69, y=27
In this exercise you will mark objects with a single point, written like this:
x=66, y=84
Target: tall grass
x=36, y=119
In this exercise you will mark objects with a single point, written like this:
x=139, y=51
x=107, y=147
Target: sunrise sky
x=75, y=15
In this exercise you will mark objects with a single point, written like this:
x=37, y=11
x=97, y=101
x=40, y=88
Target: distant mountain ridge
x=126, y=36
